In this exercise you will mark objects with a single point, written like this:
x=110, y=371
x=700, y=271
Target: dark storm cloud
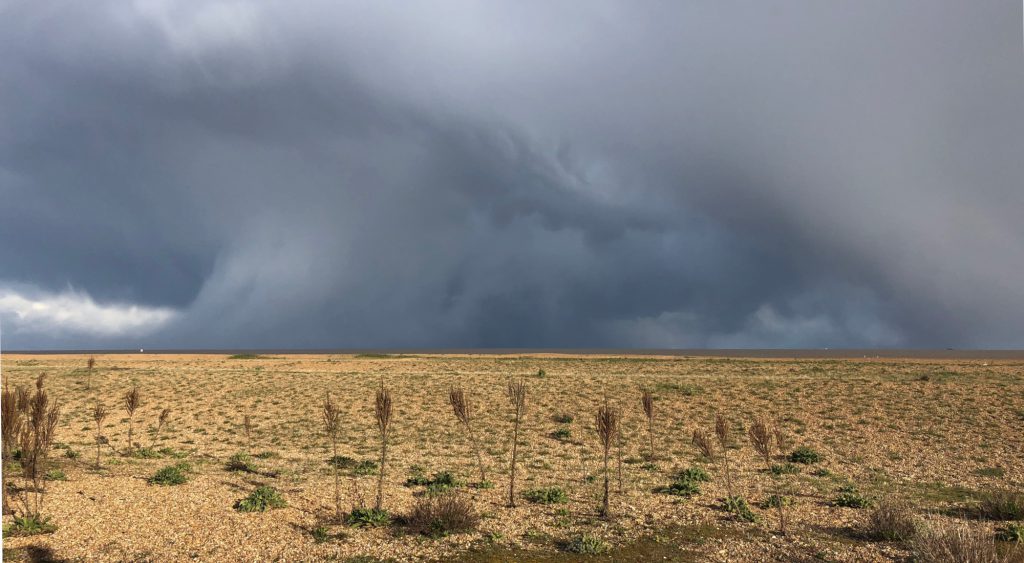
x=609, y=174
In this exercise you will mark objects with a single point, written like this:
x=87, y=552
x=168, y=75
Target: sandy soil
x=935, y=431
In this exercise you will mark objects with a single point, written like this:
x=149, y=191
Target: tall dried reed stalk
x=607, y=426
x=764, y=436
x=247, y=427
x=517, y=397
x=13, y=421
x=382, y=410
x=89, y=364
x=132, y=402
x=647, y=401
x=40, y=417
x=332, y=425
x=99, y=414
x=723, y=433
x=464, y=412
x=161, y=421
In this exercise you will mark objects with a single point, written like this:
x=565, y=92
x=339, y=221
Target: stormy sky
x=511, y=174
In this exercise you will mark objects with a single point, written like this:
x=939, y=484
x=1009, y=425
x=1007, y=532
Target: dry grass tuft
x=959, y=542
x=441, y=515
x=647, y=402
x=892, y=520
x=40, y=417
x=763, y=437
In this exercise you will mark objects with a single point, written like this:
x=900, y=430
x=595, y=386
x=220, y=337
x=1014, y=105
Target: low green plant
x=261, y=500
x=586, y=544
x=55, y=475
x=1012, y=533
x=546, y=495
x=805, y=455
x=1001, y=504
x=739, y=507
x=681, y=488
x=71, y=454
x=849, y=497
x=171, y=475
x=242, y=462
x=146, y=453
x=320, y=534
x=341, y=462
x=564, y=418
x=365, y=467
x=784, y=469
x=562, y=434
x=362, y=517
x=29, y=526
x=775, y=501
x=696, y=474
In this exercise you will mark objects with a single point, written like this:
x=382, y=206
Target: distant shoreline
x=716, y=353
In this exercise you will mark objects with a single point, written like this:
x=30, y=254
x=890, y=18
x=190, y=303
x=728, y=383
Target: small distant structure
x=141, y=350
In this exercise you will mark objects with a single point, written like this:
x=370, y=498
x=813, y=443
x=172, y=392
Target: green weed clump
x=546, y=495
x=849, y=497
x=29, y=526
x=261, y=500
x=1011, y=533
x=55, y=475
x=242, y=462
x=738, y=506
x=171, y=475
x=1001, y=504
x=687, y=482
x=586, y=544
x=805, y=455
x=363, y=517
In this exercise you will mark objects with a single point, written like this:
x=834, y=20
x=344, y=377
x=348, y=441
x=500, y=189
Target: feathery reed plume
x=702, y=440
x=618, y=450
x=332, y=424
x=722, y=432
x=607, y=424
x=464, y=412
x=382, y=411
x=99, y=413
x=12, y=423
x=517, y=397
x=647, y=401
x=781, y=439
x=89, y=364
x=763, y=435
x=37, y=431
x=132, y=401
x=161, y=421
x=247, y=427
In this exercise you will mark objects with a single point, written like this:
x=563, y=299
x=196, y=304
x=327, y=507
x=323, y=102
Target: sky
x=458, y=174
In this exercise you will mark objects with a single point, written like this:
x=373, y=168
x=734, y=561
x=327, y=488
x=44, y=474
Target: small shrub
x=784, y=469
x=170, y=475
x=564, y=418
x=1001, y=505
x=484, y=485
x=171, y=452
x=892, y=521
x=1011, y=533
x=71, y=454
x=804, y=455
x=546, y=495
x=242, y=462
x=368, y=518
x=341, y=462
x=266, y=455
x=30, y=526
x=561, y=434
x=849, y=497
x=55, y=475
x=442, y=515
x=260, y=500
x=586, y=545
x=739, y=507
x=541, y=374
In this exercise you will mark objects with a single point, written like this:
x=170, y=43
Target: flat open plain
x=939, y=432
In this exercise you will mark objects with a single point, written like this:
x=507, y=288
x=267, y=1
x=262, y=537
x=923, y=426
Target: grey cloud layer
x=602, y=174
